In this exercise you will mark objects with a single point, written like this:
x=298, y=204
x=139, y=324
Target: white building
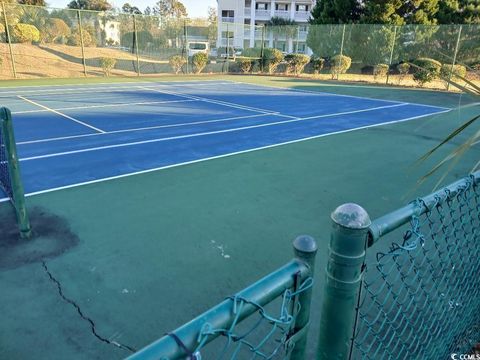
x=241, y=24
x=112, y=31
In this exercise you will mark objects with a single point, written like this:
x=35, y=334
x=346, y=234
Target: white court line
x=223, y=156
x=113, y=146
x=105, y=106
x=61, y=114
x=217, y=102
x=340, y=95
x=142, y=128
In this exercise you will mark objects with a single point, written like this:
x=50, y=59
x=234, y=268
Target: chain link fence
x=46, y=42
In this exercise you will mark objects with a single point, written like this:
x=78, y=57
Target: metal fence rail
x=417, y=297
x=269, y=336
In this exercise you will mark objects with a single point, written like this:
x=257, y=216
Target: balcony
x=282, y=13
x=228, y=19
x=302, y=15
x=264, y=14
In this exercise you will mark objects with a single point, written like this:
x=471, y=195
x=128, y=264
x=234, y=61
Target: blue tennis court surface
x=72, y=135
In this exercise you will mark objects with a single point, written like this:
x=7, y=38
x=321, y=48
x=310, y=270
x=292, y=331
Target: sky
x=195, y=8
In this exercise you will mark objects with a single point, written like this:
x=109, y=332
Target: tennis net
x=10, y=180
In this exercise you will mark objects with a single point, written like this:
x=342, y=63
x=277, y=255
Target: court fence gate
x=414, y=294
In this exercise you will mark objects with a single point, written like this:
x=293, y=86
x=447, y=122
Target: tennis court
x=116, y=264
x=71, y=135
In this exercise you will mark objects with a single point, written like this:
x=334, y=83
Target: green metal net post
x=305, y=249
x=14, y=172
x=344, y=275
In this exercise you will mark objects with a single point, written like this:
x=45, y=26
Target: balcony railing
x=262, y=13
x=302, y=15
x=282, y=13
x=228, y=19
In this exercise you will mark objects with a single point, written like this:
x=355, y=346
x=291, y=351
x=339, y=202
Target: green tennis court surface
x=133, y=258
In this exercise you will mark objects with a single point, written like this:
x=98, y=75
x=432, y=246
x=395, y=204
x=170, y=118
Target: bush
x=199, y=61
x=429, y=70
x=245, y=64
x=317, y=64
x=340, y=64
x=296, y=63
x=458, y=70
x=380, y=70
x=403, y=70
x=25, y=33
x=75, y=40
x=107, y=65
x=271, y=59
x=177, y=62
x=252, y=52
x=56, y=31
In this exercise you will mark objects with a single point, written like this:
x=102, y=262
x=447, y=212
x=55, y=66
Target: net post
x=454, y=57
x=346, y=256
x=135, y=40
x=14, y=172
x=80, y=29
x=7, y=32
x=305, y=250
x=391, y=52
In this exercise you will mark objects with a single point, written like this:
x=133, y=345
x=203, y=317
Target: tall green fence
x=267, y=320
x=48, y=42
x=406, y=285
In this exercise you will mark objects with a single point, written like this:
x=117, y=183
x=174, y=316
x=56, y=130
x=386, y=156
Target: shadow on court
x=119, y=263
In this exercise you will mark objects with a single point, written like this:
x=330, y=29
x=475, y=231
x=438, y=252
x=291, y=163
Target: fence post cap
x=305, y=244
x=351, y=216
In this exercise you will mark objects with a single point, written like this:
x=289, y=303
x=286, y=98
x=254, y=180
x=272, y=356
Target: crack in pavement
x=82, y=315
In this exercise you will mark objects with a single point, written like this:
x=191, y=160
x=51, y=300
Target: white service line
x=217, y=102
x=105, y=106
x=61, y=114
x=142, y=129
x=105, y=147
x=222, y=156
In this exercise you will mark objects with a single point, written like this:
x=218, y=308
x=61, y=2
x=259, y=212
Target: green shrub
x=271, y=59
x=458, y=70
x=245, y=64
x=56, y=30
x=339, y=65
x=317, y=64
x=252, y=52
x=75, y=40
x=25, y=33
x=380, y=70
x=107, y=65
x=177, y=62
x=296, y=63
x=199, y=61
x=429, y=70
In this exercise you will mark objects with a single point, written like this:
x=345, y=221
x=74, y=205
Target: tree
x=129, y=9
x=336, y=12
x=212, y=24
x=98, y=5
x=281, y=26
x=33, y=2
x=398, y=12
x=170, y=9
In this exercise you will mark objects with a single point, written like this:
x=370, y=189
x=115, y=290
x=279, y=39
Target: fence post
x=227, y=54
x=135, y=33
x=81, y=42
x=341, y=45
x=391, y=51
x=262, y=49
x=185, y=44
x=305, y=249
x=298, y=38
x=14, y=172
x=454, y=57
x=344, y=275
x=7, y=32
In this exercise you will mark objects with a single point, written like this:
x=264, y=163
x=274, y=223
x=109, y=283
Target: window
x=261, y=6
x=228, y=13
x=302, y=7
x=283, y=7
x=226, y=34
x=197, y=46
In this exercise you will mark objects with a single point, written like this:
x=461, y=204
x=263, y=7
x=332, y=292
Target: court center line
x=222, y=156
x=217, y=102
x=142, y=129
x=104, y=106
x=113, y=146
x=61, y=114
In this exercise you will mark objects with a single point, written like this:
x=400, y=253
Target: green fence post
x=305, y=249
x=14, y=171
x=81, y=42
x=136, y=43
x=344, y=275
x=341, y=45
x=262, y=49
x=454, y=57
x=392, y=49
x=185, y=44
x=7, y=32
x=227, y=53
